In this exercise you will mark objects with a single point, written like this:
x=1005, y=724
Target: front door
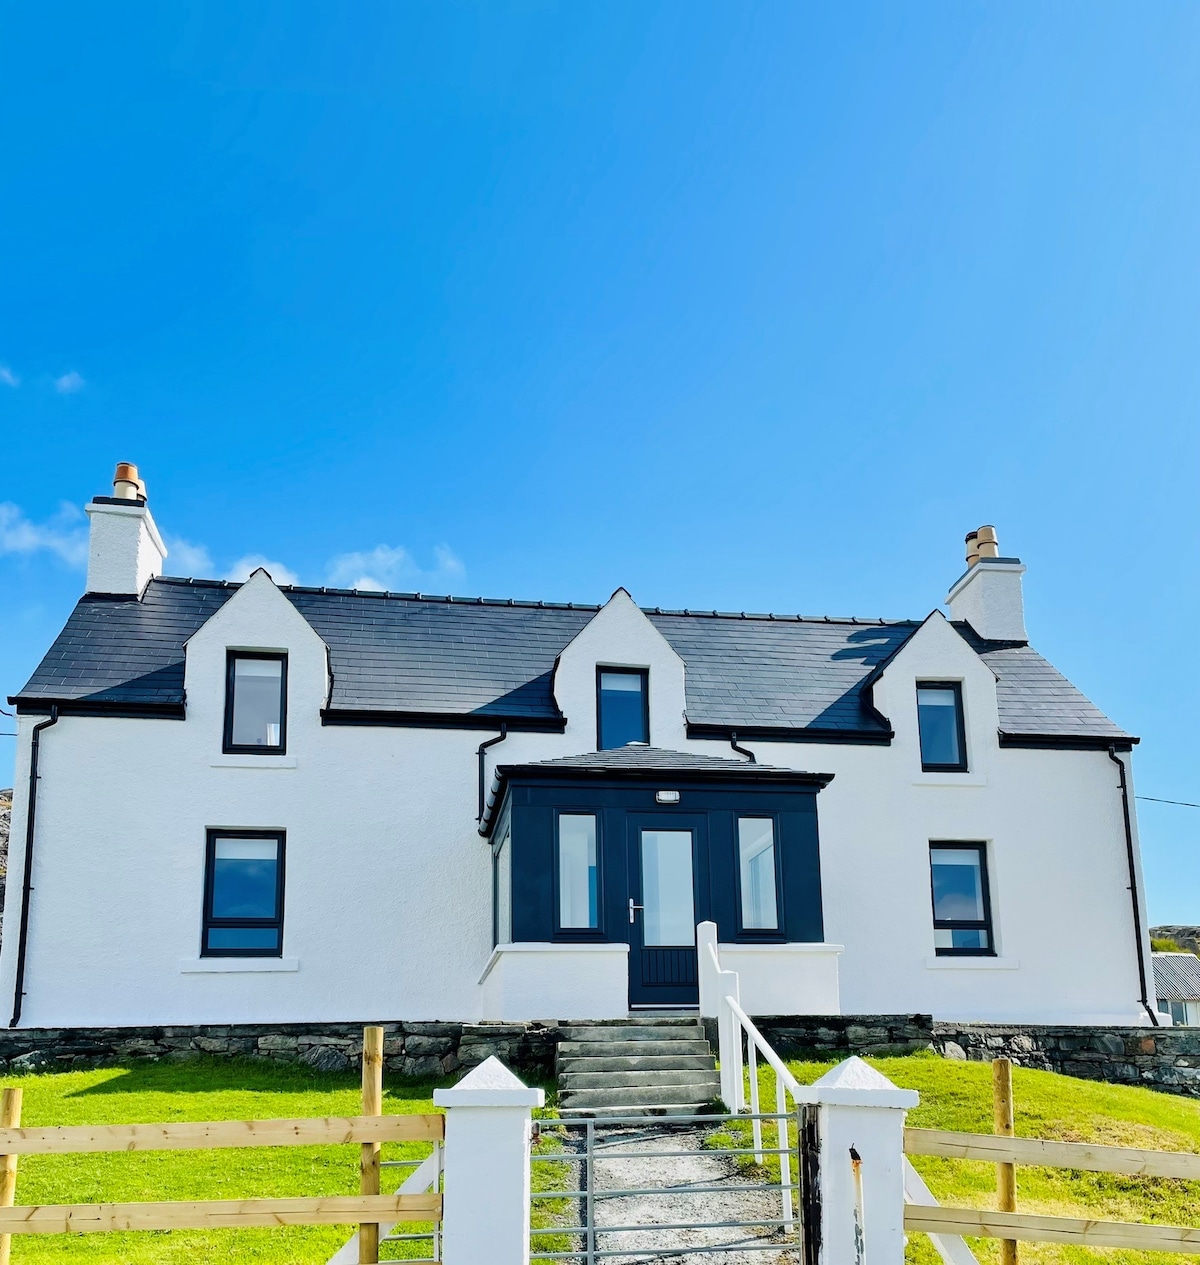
x=664, y=852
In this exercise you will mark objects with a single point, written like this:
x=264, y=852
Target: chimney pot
x=972, y=548
x=126, y=484
x=989, y=546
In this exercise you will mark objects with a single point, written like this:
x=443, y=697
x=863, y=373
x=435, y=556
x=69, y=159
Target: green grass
x=201, y=1090
x=957, y=1095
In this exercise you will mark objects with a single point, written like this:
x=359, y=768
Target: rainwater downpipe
x=1133, y=886
x=483, y=746
x=733, y=742
x=27, y=882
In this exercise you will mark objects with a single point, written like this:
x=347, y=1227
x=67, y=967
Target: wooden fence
x=1006, y=1152
x=368, y=1208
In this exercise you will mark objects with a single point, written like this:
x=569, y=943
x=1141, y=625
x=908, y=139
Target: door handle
x=632, y=907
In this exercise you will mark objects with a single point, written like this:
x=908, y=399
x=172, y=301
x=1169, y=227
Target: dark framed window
x=577, y=872
x=962, y=906
x=758, y=875
x=243, y=894
x=943, y=731
x=255, y=703
x=622, y=707
x=502, y=890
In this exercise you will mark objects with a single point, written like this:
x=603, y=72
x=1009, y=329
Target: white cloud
x=69, y=383
x=9, y=378
x=63, y=535
x=391, y=567
x=244, y=567
x=184, y=558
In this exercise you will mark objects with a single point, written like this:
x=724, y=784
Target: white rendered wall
x=556, y=981
x=388, y=896
x=785, y=979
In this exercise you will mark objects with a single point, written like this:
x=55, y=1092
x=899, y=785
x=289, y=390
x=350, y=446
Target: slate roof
x=637, y=756
x=1176, y=976
x=404, y=656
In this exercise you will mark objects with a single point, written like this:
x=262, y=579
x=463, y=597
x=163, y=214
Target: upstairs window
x=578, y=873
x=255, y=703
x=622, y=707
x=940, y=720
x=243, y=895
x=962, y=915
x=756, y=874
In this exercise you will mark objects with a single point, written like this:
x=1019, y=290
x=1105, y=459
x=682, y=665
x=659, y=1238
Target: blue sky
x=748, y=306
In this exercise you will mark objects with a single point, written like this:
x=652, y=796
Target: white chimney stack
x=988, y=595
x=125, y=550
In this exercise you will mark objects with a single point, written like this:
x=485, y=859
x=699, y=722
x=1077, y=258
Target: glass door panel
x=668, y=900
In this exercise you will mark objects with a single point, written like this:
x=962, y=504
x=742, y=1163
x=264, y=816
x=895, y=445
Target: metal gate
x=639, y=1188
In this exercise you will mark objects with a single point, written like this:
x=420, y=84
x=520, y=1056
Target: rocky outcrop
x=1185, y=937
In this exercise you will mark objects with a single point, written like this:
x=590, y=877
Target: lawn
x=201, y=1090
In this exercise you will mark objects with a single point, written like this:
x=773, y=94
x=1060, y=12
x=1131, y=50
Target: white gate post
x=715, y=985
x=485, y=1207
x=860, y=1166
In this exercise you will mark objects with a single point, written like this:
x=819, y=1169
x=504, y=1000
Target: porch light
x=666, y=797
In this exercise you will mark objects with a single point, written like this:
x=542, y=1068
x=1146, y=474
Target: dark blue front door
x=666, y=863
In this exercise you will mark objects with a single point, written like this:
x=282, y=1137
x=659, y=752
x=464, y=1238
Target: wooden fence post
x=10, y=1118
x=372, y=1105
x=1006, y=1174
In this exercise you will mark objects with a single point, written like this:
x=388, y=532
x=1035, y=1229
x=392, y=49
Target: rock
x=416, y=1046
x=952, y=1050
x=325, y=1058
x=34, y=1061
x=425, y=1066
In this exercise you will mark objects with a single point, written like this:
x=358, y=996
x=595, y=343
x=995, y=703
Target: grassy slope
x=958, y=1096
x=198, y=1091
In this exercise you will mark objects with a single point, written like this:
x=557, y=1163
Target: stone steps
x=648, y=1065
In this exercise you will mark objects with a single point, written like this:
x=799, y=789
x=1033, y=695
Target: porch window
x=962, y=916
x=578, y=873
x=502, y=891
x=243, y=894
x=255, y=703
x=756, y=874
x=940, y=721
x=622, y=707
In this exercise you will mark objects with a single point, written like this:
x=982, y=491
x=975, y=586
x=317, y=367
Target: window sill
x=950, y=779
x=232, y=966
x=253, y=762
x=967, y=963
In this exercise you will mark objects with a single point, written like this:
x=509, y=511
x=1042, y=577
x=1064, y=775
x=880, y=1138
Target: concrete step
x=619, y=1049
x=640, y=1095
x=634, y=1062
x=570, y=1082
x=665, y=1109
x=637, y=1032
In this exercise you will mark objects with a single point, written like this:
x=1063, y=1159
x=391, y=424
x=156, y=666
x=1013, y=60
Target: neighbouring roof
x=1176, y=976
x=474, y=661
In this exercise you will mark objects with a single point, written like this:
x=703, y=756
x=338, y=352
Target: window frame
x=955, y=688
x=208, y=922
x=228, y=746
x=644, y=674
x=777, y=933
x=595, y=933
x=987, y=923
x=505, y=841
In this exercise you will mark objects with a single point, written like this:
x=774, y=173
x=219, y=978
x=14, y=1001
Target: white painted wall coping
x=807, y=948
x=854, y=1083
x=253, y=762
x=531, y=946
x=972, y=964
x=231, y=966
x=491, y=1084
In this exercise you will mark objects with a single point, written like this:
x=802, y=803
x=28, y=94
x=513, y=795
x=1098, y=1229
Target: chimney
x=125, y=550
x=988, y=595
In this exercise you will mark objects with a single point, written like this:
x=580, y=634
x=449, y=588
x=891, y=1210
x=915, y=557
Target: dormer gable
x=620, y=636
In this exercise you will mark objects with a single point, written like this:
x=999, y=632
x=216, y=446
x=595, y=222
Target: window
x=756, y=874
x=940, y=720
x=622, y=709
x=578, y=873
x=243, y=895
x=255, y=702
x=1176, y=1009
x=962, y=916
x=502, y=891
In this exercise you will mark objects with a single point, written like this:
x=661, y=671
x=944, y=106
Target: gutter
x=1131, y=858
x=27, y=883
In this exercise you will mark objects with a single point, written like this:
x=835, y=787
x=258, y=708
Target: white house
x=262, y=804
x=1177, y=986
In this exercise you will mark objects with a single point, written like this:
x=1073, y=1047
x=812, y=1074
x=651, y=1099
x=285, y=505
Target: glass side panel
x=257, y=702
x=960, y=938
x=937, y=718
x=957, y=886
x=756, y=867
x=245, y=873
x=243, y=938
x=578, y=888
x=503, y=893
x=669, y=913
x=622, y=709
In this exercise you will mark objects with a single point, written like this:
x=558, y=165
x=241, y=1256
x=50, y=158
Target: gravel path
x=633, y=1172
